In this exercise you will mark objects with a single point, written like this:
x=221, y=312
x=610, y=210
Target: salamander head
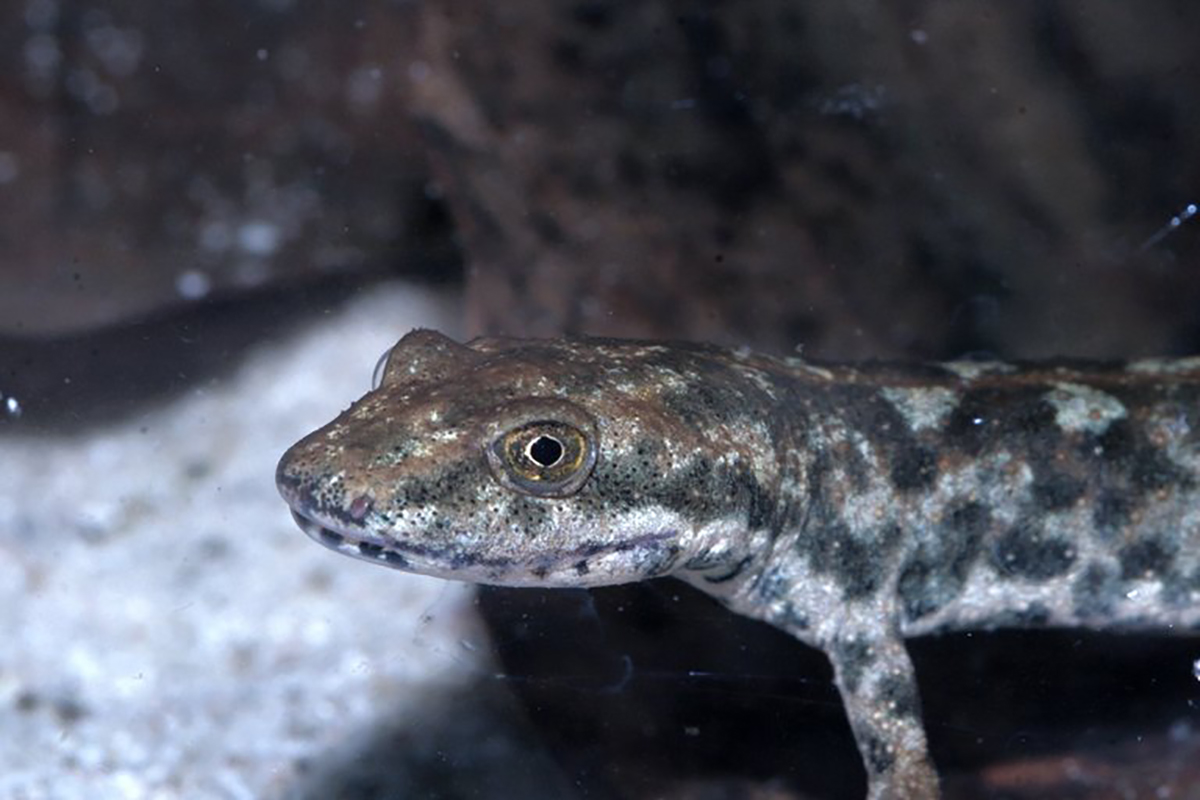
x=544, y=463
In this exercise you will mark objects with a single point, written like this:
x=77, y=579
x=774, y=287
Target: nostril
x=360, y=506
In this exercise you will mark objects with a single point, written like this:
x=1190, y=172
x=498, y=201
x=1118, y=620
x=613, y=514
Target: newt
x=853, y=505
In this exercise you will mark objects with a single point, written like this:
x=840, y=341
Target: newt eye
x=545, y=458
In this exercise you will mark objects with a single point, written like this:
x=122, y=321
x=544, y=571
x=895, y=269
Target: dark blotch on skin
x=395, y=559
x=1035, y=615
x=759, y=503
x=857, y=561
x=369, y=550
x=935, y=573
x=1147, y=558
x=901, y=694
x=734, y=571
x=703, y=560
x=1147, y=468
x=879, y=755
x=853, y=656
x=773, y=589
x=987, y=417
x=703, y=402
x=1057, y=491
x=772, y=586
x=715, y=392
x=792, y=619
x=1113, y=511
x=589, y=549
x=659, y=560
x=1155, y=471
x=914, y=468
x=1028, y=552
x=1095, y=591
x=331, y=539
x=858, y=564
x=866, y=411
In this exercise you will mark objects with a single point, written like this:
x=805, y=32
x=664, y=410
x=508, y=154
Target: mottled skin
x=849, y=506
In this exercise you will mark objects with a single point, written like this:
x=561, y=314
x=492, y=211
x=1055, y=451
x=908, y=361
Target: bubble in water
x=258, y=238
x=193, y=284
x=10, y=167
x=1188, y=212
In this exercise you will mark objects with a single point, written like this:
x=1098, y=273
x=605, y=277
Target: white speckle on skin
x=922, y=408
x=1079, y=408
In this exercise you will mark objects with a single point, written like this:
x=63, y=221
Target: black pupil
x=546, y=451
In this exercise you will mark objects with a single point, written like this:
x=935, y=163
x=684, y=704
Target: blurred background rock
x=863, y=179
x=156, y=154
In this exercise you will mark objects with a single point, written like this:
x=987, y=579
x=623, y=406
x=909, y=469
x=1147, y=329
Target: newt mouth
x=356, y=546
x=567, y=568
x=421, y=559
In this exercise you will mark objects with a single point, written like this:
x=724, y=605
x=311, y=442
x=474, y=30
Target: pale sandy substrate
x=167, y=630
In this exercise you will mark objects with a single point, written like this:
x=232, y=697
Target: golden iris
x=545, y=458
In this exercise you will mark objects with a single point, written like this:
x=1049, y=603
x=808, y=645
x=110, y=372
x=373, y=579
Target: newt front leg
x=879, y=689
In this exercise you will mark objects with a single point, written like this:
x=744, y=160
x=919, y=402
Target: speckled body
x=851, y=506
